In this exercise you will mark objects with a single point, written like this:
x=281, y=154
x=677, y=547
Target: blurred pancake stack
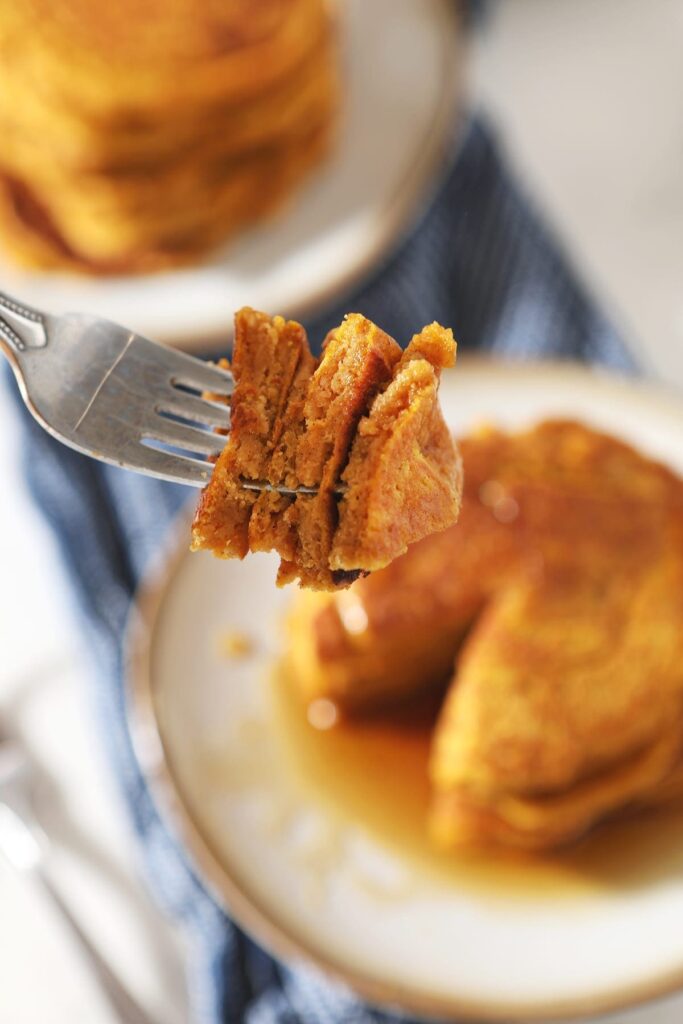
x=142, y=134
x=553, y=613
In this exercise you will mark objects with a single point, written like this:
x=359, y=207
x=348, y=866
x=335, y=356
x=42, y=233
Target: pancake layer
x=138, y=136
x=300, y=422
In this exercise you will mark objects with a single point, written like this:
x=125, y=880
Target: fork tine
x=179, y=469
x=179, y=435
x=190, y=407
x=191, y=372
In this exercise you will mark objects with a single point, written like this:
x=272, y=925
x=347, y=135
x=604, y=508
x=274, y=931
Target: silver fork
x=116, y=396
x=26, y=848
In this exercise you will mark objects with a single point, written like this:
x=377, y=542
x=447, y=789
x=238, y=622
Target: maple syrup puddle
x=371, y=773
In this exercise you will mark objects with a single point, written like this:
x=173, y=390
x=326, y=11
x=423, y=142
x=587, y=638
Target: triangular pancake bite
x=404, y=475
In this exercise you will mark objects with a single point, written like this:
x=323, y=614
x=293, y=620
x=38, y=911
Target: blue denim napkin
x=479, y=261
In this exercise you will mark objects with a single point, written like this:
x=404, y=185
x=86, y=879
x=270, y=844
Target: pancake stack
x=553, y=615
x=360, y=429
x=140, y=135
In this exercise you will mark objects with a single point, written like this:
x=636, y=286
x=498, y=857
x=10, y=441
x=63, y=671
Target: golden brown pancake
x=317, y=412
x=399, y=630
x=126, y=149
x=109, y=60
x=358, y=359
x=560, y=597
x=83, y=150
x=269, y=526
x=567, y=702
x=171, y=232
x=266, y=356
x=400, y=474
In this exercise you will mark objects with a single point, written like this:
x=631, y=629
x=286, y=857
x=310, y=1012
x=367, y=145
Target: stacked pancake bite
x=140, y=135
x=360, y=430
x=552, y=613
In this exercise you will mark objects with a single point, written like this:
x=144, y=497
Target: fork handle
x=21, y=327
x=127, y=1009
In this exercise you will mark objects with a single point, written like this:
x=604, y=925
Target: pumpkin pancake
x=127, y=149
x=131, y=146
x=159, y=55
x=190, y=219
x=403, y=478
x=317, y=413
x=358, y=358
x=559, y=597
x=270, y=529
x=266, y=355
x=399, y=630
x=567, y=702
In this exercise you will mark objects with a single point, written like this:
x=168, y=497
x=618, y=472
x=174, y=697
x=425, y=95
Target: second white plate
x=553, y=939
x=401, y=69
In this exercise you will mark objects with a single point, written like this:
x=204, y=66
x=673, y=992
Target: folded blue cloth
x=479, y=261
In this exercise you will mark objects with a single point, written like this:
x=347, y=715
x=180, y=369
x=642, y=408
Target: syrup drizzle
x=371, y=774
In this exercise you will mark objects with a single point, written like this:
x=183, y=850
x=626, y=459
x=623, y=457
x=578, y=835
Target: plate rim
x=155, y=764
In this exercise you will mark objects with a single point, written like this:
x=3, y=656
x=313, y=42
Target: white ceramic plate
x=207, y=739
x=397, y=122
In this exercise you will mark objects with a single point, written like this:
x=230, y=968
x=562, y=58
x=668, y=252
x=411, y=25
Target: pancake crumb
x=236, y=644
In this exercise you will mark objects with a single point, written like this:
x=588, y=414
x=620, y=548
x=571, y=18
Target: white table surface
x=590, y=95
